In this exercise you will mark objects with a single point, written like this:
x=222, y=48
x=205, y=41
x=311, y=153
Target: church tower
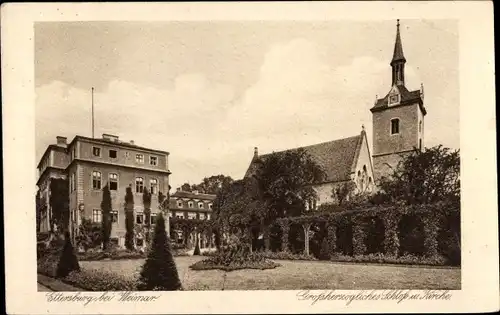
x=398, y=118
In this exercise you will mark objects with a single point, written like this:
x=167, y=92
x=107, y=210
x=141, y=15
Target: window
x=153, y=218
x=139, y=242
x=210, y=206
x=420, y=144
x=208, y=216
x=74, y=181
x=96, y=151
x=190, y=204
x=191, y=215
x=202, y=216
x=113, y=181
x=114, y=216
x=179, y=204
x=114, y=240
x=73, y=153
x=394, y=126
x=154, y=186
x=153, y=160
x=96, y=180
x=127, y=154
x=139, y=185
x=112, y=154
x=139, y=218
x=139, y=158
x=420, y=126
x=96, y=215
x=200, y=205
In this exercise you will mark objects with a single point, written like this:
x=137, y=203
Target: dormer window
x=394, y=99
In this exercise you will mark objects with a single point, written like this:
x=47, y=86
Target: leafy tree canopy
x=285, y=181
x=209, y=185
x=427, y=176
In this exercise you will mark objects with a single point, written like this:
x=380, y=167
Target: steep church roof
x=337, y=158
x=406, y=97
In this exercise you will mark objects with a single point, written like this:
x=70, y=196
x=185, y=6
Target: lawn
x=297, y=275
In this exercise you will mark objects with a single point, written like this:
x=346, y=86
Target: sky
x=209, y=92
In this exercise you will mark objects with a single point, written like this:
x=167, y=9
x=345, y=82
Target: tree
x=129, y=219
x=68, y=261
x=212, y=184
x=186, y=187
x=425, y=176
x=106, y=217
x=59, y=204
x=159, y=272
x=343, y=191
x=285, y=181
x=146, y=200
x=90, y=235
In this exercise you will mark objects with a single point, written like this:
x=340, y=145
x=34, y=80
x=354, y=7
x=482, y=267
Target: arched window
x=96, y=180
x=394, y=126
x=139, y=184
x=113, y=181
x=154, y=186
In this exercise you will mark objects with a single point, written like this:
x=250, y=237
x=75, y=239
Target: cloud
x=298, y=99
x=179, y=120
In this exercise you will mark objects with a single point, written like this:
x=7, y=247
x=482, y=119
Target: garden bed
x=208, y=264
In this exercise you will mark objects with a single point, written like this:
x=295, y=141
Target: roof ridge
x=312, y=145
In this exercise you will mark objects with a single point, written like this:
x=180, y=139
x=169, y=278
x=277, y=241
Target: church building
x=398, y=129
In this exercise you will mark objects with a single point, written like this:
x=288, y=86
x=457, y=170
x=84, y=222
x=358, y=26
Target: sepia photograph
x=249, y=157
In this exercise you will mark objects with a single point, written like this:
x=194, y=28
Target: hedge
x=416, y=234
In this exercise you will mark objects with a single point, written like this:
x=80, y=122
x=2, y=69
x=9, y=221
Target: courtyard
x=299, y=275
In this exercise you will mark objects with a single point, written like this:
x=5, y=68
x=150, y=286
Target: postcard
x=249, y=157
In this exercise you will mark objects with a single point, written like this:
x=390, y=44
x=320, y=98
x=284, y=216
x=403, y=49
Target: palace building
x=91, y=163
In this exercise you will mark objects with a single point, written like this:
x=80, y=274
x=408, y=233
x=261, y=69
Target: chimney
x=61, y=141
x=422, y=90
x=179, y=188
x=132, y=142
x=255, y=152
x=109, y=137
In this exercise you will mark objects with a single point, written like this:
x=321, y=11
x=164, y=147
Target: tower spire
x=398, y=60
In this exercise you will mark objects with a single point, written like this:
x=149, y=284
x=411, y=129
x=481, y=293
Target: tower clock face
x=393, y=99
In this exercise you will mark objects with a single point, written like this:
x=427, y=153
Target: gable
x=363, y=167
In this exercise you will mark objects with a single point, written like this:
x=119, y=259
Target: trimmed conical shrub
x=159, y=272
x=68, y=261
x=197, y=247
x=129, y=219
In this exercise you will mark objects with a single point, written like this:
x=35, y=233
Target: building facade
x=190, y=205
x=398, y=118
x=89, y=164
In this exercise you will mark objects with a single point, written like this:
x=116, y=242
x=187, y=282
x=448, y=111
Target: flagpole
x=92, y=112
